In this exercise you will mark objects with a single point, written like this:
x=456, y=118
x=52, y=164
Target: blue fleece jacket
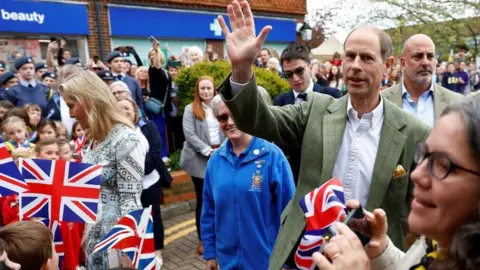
x=243, y=198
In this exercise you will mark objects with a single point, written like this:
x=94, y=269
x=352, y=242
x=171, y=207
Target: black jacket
x=153, y=159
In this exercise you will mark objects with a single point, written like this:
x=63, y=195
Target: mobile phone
x=359, y=225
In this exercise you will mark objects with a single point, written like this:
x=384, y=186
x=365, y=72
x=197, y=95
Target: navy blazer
x=289, y=98
x=294, y=153
x=153, y=159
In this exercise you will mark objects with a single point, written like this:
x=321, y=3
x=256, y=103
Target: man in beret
x=28, y=90
x=49, y=79
x=115, y=62
x=54, y=107
x=3, y=67
x=40, y=69
x=74, y=61
x=106, y=76
x=7, y=80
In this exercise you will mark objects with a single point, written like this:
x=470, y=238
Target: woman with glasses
x=202, y=138
x=248, y=183
x=445, y=207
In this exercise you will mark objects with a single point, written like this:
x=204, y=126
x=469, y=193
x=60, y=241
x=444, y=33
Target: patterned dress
x=123, y=158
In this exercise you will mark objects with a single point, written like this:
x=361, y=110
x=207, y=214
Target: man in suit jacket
x=363, y=139
x=417, y=93
x=115, y=62
x=297, y=68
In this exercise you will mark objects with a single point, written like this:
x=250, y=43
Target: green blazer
x=317, y=127
x=442, y=97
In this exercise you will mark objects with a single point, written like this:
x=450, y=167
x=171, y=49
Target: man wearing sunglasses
x=297, y=68
x=363, y=139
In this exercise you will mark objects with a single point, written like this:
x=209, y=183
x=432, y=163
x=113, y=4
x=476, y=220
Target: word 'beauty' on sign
x=23, y=17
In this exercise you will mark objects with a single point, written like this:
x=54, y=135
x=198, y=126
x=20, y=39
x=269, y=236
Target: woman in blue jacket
x=248, y=183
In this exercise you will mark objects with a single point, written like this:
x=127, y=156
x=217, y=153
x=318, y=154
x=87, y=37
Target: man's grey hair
x=217, y=100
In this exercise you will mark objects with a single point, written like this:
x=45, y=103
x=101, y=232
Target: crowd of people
x=402, y=137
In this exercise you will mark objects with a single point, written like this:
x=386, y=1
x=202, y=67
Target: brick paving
x=180, y=254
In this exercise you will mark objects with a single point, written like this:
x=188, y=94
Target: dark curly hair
x=464, y=253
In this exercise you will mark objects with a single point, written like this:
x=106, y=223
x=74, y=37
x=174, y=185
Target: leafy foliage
x=219, y=70
x=174, y=163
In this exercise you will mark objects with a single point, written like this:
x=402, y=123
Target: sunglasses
x=299, y=72
x=223, y=118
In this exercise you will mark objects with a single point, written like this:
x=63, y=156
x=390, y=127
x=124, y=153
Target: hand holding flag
x=322, y=207
x=133, y=234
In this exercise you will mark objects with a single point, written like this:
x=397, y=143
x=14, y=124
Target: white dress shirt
x=307, y=91
x=359, y=146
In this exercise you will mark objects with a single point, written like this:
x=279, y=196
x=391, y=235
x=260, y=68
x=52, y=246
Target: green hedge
x=187, y=78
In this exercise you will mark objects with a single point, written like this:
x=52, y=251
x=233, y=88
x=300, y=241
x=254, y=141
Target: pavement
x=181, y=242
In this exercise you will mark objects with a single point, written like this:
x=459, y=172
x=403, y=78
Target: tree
x=324, y=22
x=446, y=21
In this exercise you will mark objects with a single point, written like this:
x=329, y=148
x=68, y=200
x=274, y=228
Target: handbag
x=154, y=105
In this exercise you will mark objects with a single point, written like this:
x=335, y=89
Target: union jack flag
x=133, y=234
x=60, y=190
x=11, y=180
x=322, y=207
x=54, y=226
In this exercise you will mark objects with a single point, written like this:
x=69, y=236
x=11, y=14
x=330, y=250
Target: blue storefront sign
x=43, y=17
x=141, y=22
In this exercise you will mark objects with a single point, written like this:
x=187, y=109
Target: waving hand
x=243, y=45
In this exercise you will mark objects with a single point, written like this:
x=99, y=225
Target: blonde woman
x=115, y=145
x=160, y=86
x=141, y=75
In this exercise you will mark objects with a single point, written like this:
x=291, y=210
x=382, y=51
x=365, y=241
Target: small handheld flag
x=60, y=190
x=11, y=180
x=322, y=207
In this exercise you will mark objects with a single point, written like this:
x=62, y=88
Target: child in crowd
x=46, y=128
x=48, y=149
x=78, y=140
x=29, y=244
x=65, y=150
x=61, y=130
x=22, y=114
x=16, y=132
x=34, y=115
x=5, y=105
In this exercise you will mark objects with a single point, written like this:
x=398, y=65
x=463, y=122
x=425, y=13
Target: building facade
x=95, y=27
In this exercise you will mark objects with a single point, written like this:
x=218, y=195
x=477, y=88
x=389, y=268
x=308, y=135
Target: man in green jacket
x=363, y=139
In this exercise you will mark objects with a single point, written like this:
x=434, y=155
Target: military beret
x=5, y=77
x=174, y=64
x=49, y=74
x=114, y=55
x=105, y=75
x=40, y=66
x=73, y=61
x=2, y=64
x=22, y=61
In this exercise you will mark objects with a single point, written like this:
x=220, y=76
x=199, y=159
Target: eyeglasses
x=298, y=71
x=223, y=118
x=439, y=164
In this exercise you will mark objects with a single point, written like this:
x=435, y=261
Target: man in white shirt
x=418, y=94
x=369, y=148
